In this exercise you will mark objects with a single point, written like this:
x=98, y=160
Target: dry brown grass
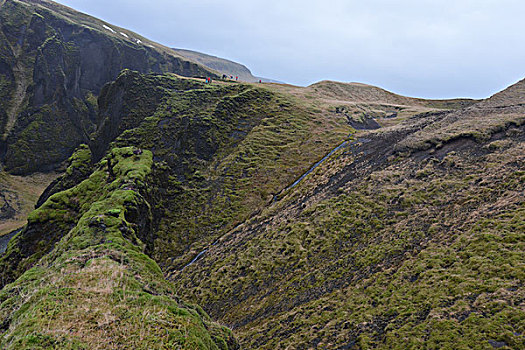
x=21, y=193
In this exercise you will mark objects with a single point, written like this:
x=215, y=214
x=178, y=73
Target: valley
x=146, y=208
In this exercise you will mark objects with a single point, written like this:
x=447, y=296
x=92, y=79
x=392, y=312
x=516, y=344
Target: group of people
x=224, y=76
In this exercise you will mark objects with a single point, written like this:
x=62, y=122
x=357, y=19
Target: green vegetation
x=223, y=151
x=410, y=236
x=379, y=249
x=97, y=289
x=80, y=160
x=383, y=245
x=49, y=87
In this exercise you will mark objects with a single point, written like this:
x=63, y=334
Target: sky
x=420, y=48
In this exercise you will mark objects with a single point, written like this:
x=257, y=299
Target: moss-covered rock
x=80, y=166
x=96, y=289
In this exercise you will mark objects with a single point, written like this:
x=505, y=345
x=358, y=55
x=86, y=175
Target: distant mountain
x=223, y=66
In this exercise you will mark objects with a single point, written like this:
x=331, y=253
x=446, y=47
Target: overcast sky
x=423, y=48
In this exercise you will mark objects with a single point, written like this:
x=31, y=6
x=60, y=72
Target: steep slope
x=212, y=145
x=220, y=153
x=412, y=236
x=226, y=149
x=97, y=289
x=53, y=63
x=223, y=152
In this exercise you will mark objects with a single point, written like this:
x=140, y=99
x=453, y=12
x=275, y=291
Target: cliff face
x=53, y=64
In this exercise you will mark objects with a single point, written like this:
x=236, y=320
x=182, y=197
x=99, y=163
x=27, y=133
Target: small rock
x=497, y=344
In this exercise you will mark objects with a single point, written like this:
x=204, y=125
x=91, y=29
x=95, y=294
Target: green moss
x=97, y=275
x=80, y=160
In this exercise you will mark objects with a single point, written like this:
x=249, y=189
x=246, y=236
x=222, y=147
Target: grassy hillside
x=219, y=160
x=204, y=142
x=410, y=234
x=333, y=216
x=413, y=236
x=366, y=106
x=18, y=196
x=226, y=149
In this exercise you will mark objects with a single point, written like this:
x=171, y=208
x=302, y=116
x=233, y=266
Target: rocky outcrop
x=80, y=166
x=82, y=255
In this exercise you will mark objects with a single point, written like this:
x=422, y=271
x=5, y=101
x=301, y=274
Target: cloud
x=421, y=48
